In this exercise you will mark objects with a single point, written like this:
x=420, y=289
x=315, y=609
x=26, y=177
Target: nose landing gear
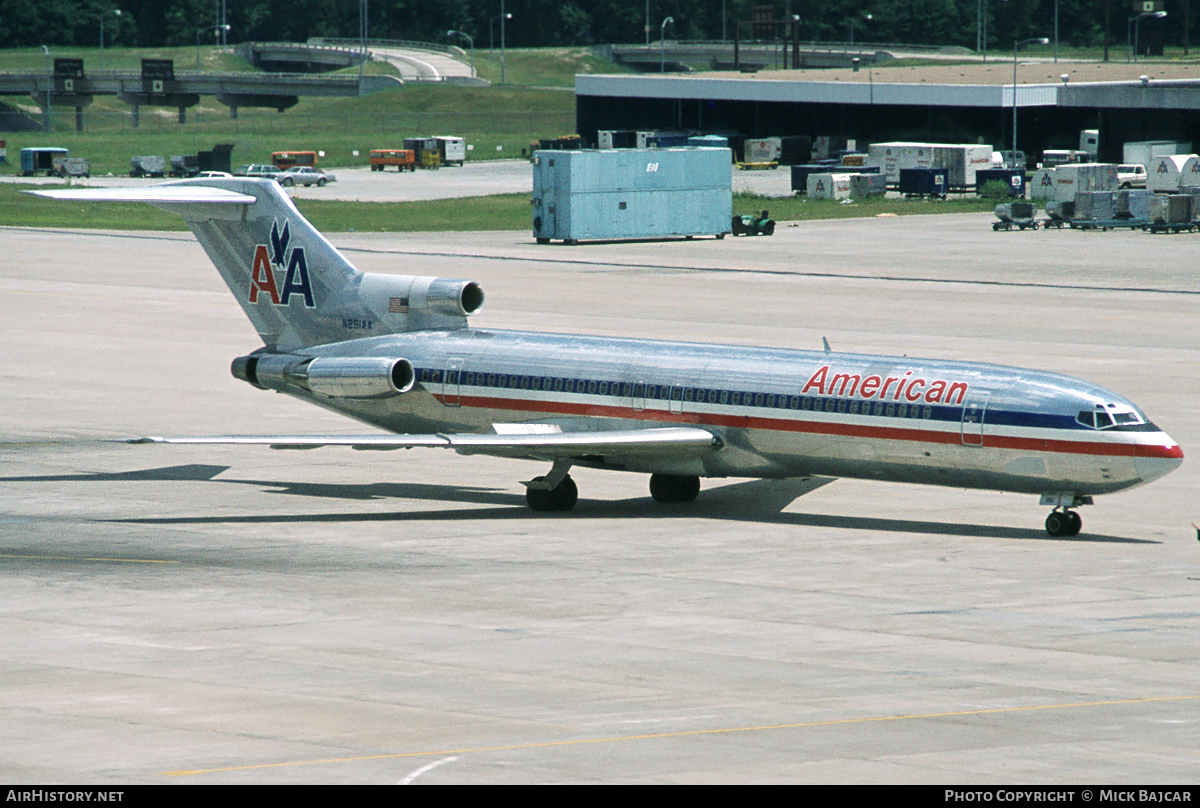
x=1062, y=522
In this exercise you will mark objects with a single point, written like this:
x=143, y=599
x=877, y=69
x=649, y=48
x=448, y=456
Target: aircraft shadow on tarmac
x=759, y=501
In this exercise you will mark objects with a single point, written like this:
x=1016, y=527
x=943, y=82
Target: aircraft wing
x=665, y=442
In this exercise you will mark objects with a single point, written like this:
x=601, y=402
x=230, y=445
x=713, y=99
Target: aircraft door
x=452, y=382
x=677, y=398
x=638, y=399
x=974, y=410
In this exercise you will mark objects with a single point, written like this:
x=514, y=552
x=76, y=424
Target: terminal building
x=971, y=103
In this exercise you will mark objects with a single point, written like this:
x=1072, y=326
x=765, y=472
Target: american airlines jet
x=397, y=352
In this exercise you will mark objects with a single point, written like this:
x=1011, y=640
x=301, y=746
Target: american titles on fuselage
x=278, y=257
x=913, y=389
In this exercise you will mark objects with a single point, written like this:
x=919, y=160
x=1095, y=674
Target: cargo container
x=1173, y=171
x=801, y=173
x=762, y=150
x=1171, y=211
x=1143, y=151
x=39, y=159
x=631, y=193
x=1014, y=178
x=867, y=185
x=891, y=158
x=426, y=149
x=795, y=150
x=72, y=167
x=923, y=182
x=1133, y=203
x=829, y=186
x=453, y=150
x=961, y=162
x=148, y=165
x=1041, y=185
x=616, y=139
x=708, y=141
x=1096, y=205
x=1075, y=177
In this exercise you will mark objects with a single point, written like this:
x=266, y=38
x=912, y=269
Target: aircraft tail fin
x=295, y=286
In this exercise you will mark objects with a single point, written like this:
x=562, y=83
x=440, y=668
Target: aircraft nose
x=1153, y=461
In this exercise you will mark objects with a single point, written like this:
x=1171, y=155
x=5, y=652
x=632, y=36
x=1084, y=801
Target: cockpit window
x=1107, y=416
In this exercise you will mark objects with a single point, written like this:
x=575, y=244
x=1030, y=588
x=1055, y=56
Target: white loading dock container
x=631, y=193
x=452, y=149
x=1041, y=185
x=961, y=161
x=830, y=186
x=1141, y=152
x=1172, y=172
x=762, y=150
x=891, y=157
x=1074, y=178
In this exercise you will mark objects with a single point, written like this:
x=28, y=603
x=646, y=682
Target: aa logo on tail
x=279, y=259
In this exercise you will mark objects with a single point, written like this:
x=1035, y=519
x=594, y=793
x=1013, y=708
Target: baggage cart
x=1015, y=214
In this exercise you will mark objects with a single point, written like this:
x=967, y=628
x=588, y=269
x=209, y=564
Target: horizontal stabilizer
x=168, y=193
x=667, y=442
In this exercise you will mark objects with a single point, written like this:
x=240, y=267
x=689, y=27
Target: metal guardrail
x=433, y=47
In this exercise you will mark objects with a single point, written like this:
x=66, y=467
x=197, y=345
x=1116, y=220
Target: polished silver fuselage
x=779, y=413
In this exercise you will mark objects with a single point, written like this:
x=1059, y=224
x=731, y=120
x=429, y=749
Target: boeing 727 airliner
x=397, y=352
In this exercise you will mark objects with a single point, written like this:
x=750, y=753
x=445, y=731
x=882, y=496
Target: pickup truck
x=1131, y=176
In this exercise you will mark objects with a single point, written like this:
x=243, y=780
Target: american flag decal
x=398, y=305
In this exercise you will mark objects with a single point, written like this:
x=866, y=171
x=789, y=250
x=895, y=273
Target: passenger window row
x=665, y=392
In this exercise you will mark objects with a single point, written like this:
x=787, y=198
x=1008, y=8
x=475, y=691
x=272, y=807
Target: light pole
x=853, y=24
x=1135, y=21
x=364, y=10
x=492, y=34
x=1041, y=40
x=49, y=81
x=504, y=18
x=471, y=42
x=202, y=31
x=116, y=12
x=662, y=42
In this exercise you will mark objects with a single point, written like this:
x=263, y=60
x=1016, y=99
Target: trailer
x=452, y=150
x=72, y=167
x=148, y=165
x=286, y=159
x=1015, y=214
x=402, y=159
x=39, y=159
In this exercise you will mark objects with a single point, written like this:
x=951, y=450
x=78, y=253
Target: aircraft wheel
x=560, y=498
x=674, y=487
x=1063, y=523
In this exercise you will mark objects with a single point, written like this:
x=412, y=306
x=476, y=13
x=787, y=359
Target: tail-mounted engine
x=333, y=377
x=415, y=303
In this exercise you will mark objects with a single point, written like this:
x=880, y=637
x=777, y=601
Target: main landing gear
x=674, y=487
x=1062, y=522
x=557, y=491
x=561, y=497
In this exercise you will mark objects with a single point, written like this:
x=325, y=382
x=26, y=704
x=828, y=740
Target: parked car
x=306, y=176
x=262, y=171
x=1131, y=176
